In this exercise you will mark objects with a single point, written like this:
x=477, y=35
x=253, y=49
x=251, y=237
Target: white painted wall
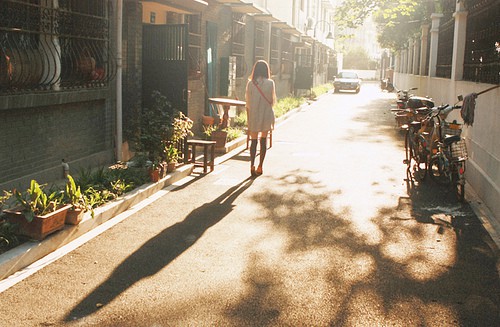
x=483, y=138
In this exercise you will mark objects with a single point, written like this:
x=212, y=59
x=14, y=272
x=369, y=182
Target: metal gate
x=164, y=63
x=303, y=71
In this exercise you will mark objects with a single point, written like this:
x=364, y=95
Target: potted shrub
x=154, y=171
x=79, y=204
x=156, y=129
x=36, y=212
x=171, y=156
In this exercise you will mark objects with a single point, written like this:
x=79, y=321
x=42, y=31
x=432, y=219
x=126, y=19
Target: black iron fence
x=47, y=45
x=482, y=50
x=445, y=48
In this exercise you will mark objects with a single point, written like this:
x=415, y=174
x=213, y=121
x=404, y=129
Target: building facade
x=75, y=75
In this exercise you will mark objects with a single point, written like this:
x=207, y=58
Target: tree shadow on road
x=331, y=272
x=160, y=251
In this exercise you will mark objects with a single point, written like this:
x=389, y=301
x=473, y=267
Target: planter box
x=74, y=216
x=220, y=138
x=41, y=226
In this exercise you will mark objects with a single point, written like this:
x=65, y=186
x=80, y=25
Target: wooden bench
x=207, y=145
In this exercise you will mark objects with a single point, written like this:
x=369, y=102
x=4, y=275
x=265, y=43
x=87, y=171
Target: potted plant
x=171, y=156
x=220, y=137
x=36, y=212
x=156, y=129
x=79, y=204
x=154, y=170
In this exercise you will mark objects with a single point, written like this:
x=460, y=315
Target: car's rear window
x=348, y=75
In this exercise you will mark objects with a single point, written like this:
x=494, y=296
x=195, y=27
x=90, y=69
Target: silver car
x=347, y=81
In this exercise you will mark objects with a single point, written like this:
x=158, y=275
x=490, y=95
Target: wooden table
x=226, y=104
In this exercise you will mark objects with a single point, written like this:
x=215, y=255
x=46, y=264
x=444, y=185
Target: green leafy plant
x=171, y=154
x=35, y=202
x=74, y=196
x=208, y=130
x=8, y=238
x=156, y=127
x=182, y=126
x=233, y=133
x=286, y=104
x=4, y=198
x=240, y=120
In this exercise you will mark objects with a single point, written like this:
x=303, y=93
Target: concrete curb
x=22, y=256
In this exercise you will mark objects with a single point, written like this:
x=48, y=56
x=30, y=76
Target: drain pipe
x=119, y=116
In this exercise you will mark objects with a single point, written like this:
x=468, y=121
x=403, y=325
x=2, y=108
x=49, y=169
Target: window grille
x=194, y=63
x=259, y=41
x=238, y=43
x=482, y=48
x=275, y=52
x=286, y=54
x=44, y=46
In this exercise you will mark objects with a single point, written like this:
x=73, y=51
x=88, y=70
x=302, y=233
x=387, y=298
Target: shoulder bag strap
x=262, y=93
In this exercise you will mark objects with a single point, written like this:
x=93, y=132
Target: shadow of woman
x=159, y=251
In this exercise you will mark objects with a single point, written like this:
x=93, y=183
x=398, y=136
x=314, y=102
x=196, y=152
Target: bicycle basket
x=459, y=150
x=451, y=128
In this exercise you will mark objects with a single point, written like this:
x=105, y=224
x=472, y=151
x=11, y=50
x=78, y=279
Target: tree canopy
x=397, y=20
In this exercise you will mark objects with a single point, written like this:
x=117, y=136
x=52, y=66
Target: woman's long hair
x=260, y=69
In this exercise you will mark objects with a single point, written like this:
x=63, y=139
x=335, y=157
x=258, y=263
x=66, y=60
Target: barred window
x=259, y=41
x=275, y=51
x=46, y=45
x=286, y=54
x=194, y=46
x=238, y=43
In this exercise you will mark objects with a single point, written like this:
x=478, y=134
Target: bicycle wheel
x=438, y=172
x=408, y=161
x=419, y=160
x=458, y=180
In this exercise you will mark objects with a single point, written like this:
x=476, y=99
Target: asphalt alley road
x=327, y=236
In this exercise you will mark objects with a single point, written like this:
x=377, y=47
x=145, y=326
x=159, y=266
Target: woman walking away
x=260, y=97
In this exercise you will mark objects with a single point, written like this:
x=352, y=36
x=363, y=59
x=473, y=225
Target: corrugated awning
x=245, y=8
x=187, y=5
x=268, y=18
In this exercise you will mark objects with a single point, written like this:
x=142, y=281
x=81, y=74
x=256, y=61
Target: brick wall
x=34, y=140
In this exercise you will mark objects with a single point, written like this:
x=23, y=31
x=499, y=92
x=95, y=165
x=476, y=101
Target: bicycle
x=422, y=137
x=446, y=151
x=447, y=166
x=416, y=152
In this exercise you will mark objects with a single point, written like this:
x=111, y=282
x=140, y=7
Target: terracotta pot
x=208, y=120
x=154, y=174
x=171, y=167
x=40, y=226
x=74, y=216
x=220, y=138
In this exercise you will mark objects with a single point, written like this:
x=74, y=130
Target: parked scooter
x=406, y=99
x=411, y=107
x=386, y=84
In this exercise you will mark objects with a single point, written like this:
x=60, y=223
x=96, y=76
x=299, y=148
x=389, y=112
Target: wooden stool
x=205, y=144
